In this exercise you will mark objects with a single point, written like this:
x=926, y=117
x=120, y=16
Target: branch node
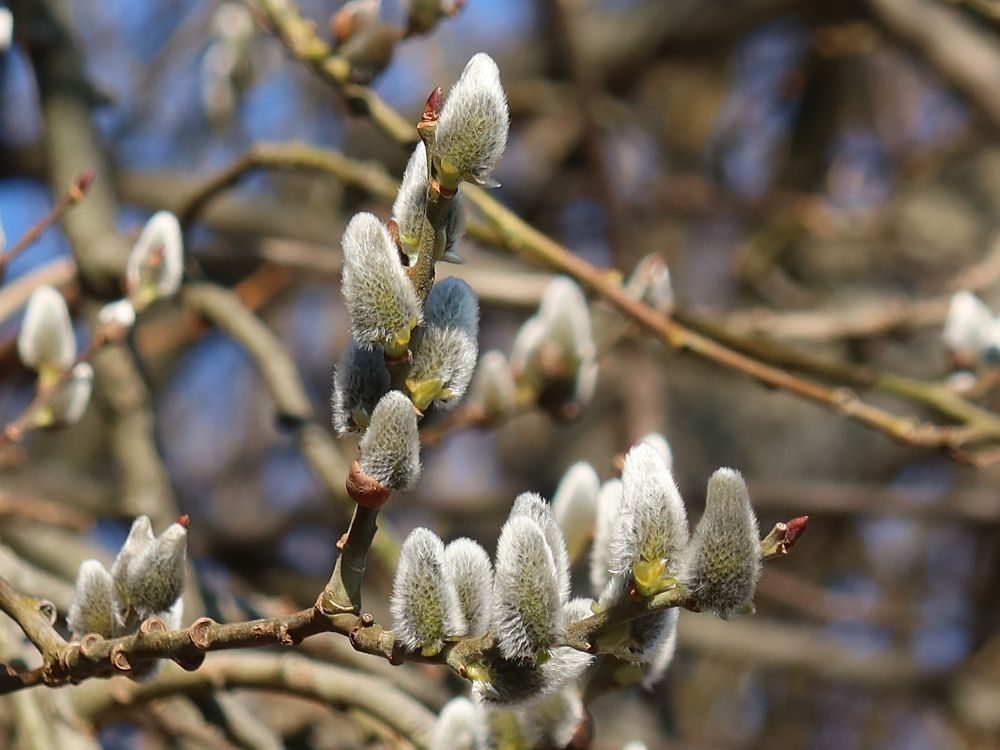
x=119, y=659
x=200, y=633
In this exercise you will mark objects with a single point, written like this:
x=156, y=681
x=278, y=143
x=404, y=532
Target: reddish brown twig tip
x=84, y=181
x=184, y=520
x=782, y=538
x=795, y=528
x=432, y=107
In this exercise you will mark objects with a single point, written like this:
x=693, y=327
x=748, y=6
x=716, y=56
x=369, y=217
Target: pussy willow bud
x=472, y=128
x=154, y=578
x=69, y=403
x=554, y=351
x=969, y=325
x=445, y=356
x=93, y=606
x=425, y=604
x=390, y=449
x=461, y=725
x=156, y=263
x=722, y=564
x=650, y=284
x=410, y=207
x=527, y=603
x=493, y=388
x=532, y=505
x=6, y=29
x=472, y=574
x=140, y=538
x=46, y=343
x=359, y=381
x=635, y=745
x=553, y=720
x=609, y=501
x=382, y=304
x=651, y=530
x=662, y=446
x=575, y=505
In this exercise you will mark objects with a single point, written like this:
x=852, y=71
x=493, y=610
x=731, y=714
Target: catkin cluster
x=414, y=342
x=525, y=690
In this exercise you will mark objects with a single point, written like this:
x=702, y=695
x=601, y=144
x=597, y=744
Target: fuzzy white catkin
x=6, y=29
x=472, y=128
x=722, y=564
x=493, y=388
x=445, y=356
x=567, y=317
x=461, y=725
x=69, y=403
x=425, y=605
x=410, y=206
x=609, y=501
x=156, y=262
x=472, y=574
x=650, y=284
x=652, y=525
x=662, y=446
x=121, y=313
x=382, y=304
x=534, y=506
x=390, y=449
x=154, y=577
x=46, y=342
x=359, y=381
x=140, y=538
x=93, y=607
x=968, y=326
x=552, y=721
x=527, y=604
x=635, y=745
x=574, y=506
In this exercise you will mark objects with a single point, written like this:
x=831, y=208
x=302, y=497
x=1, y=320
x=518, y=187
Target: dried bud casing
x=425, y=605
x=93, y=606
x=968, y=327
x=382, y=304
x=46, y=343
x=156, y=263
x=472, y=574
x=409, y=210
x=390, y=449
x=575, y=505
x=493, y=386
x=472, y=128
x=527, y=603
x=359, y=381
x=461, y=725
x=722, y=563
x=445, y=356
x=609, y=501
x=651, y=530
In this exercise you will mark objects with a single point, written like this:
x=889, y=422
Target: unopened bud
x=382, y=304
x=390, y=449
x=359, y=381
x=968, y=326
x=650, y=284
x=93, y=606
x=532, y=504
x=651, y=530
x=493, y=388
x=575, y=505
x=156, y=263
x=472, y=574
x=472, y=128
x=461, y=725
x=425, y=605
x=410, y=207
x=445, y=357
x=46, y=343
x=69, y=402
x=609, y=501
x=722, y=563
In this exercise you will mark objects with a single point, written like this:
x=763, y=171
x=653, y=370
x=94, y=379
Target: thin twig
x=76, y=193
